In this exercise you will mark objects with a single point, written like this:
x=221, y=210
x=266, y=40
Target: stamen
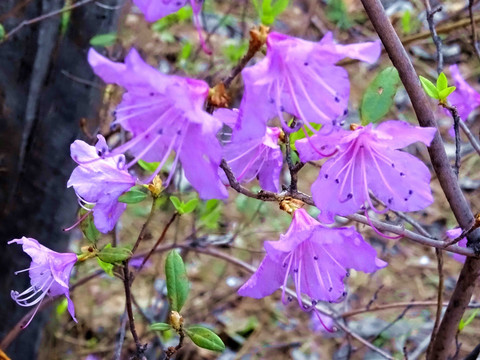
x=136, y=139
x=287, y=273
x=314, y=147
x=181, y=132
x=28, y=269
x=309, y=100
x=315, y=310
x=83, y=217
x=367, y=194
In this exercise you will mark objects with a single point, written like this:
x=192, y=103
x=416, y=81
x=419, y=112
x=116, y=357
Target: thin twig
x=398, y=318
x=131, y=321
x=436, y=39
x=24, y=23
x=473, y=140
x=141, y=235
x=399, y=305
x=476, y=48
x=160, y=239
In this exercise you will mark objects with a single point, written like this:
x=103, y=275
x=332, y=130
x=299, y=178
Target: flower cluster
x=165, y=118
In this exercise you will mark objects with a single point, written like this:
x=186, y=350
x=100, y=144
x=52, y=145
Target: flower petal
x=268, y=278
x=399, y=134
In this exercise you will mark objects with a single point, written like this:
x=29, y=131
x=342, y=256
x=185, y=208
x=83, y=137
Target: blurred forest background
x=49, y=97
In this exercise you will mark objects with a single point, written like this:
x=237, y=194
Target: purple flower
x=464, y=98
x=165, y=113
x=258, y=157
x=300, y=78
x=49, y=274
x=316, y=257
x=453, y=234
x=99, y=179
x=367, y=160
x=157, y=9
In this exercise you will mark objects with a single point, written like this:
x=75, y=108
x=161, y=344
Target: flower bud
x=176, y=320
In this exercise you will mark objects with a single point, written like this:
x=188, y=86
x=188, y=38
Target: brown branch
x=127, y=281
x=470, y=136
x=447, y=179
x=257, y=40
x=436, y=39
x=160, y=239
x=438, y=314
x=141, y=235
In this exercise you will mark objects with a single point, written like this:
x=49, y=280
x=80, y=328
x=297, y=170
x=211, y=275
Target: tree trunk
x=40, y=111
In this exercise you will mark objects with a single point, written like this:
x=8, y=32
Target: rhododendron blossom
x=316, y=257
x=366, y=160
x=99, y=180
x=464, y=98
x=453, y=234
x=259, y=157
x=300, y=78
x=165, y=113
x=49, y=274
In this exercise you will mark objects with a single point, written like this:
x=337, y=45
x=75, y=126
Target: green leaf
x=300, y=134
x=205, y=338
x=114, y=255
x=62, y=307
x=442, y=82
x=446, y=92
x=2, y=32
x=160, y=327
x=103, y=39
x=279, y=6
x=406, y=22
x=189, y=206
x=65, y=17
x=134, y=196
x=108, y=268
x=177, y=203
x=378, y=97
x=429, y=88
x=211, y=213
x=177, y=281
x=464, y=323
x=89, y=229
x=148, y=166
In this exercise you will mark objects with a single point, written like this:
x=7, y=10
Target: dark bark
x=40, y=112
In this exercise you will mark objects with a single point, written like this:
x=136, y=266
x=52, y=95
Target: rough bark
x=40, y=112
